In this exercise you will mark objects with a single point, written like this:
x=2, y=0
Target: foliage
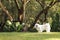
x=12, y=26
x=32, y=9
x=56, y=23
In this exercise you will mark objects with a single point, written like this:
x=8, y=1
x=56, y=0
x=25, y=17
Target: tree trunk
x=20, y=15
x=20, y=12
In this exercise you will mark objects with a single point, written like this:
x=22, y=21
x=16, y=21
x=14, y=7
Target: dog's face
x=36, y=25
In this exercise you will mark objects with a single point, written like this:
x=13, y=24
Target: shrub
x=12, y=26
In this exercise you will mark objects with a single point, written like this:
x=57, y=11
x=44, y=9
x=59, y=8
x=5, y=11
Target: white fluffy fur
x=41, y=28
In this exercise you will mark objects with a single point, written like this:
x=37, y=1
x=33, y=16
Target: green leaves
x=12, y=26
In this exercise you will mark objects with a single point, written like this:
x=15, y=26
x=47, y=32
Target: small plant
x=7, y=26
x=17, y=26
x=12, y=26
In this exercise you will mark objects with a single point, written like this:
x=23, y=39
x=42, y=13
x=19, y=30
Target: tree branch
x=44, y=10
x=6, y=11
x=41, y=3
x=27, y=2
x=17, y=5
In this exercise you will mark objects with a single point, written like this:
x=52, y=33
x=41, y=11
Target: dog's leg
x=47, y=30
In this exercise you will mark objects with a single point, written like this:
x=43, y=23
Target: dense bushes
x=12, y=26
x=56, y=23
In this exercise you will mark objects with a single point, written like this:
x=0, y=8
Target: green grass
x=29, y=36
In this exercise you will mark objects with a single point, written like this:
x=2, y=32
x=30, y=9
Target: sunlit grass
x=52, y=39
x=29, y=36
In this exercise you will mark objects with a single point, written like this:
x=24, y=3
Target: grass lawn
x=29, y=36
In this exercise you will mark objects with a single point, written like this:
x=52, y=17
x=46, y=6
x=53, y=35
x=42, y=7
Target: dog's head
x=36, y=25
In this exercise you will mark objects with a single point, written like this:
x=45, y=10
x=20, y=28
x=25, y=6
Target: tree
x=47, y=8
x=21, y=11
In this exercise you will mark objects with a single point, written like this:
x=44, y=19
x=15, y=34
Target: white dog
x=41, y=28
